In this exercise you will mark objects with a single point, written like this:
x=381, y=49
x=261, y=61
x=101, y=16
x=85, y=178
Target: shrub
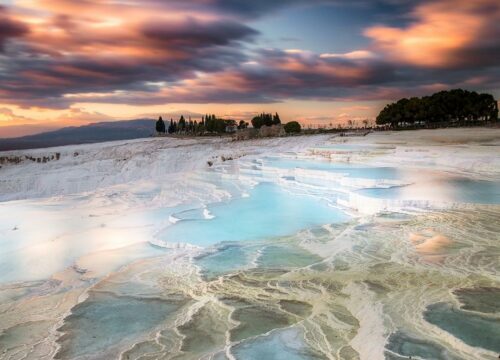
x=292, y=127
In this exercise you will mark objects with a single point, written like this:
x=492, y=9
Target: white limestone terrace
x=84, y=168
x=91, y=213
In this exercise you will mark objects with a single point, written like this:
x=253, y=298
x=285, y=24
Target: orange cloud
x=64, y=53
x=441, y=33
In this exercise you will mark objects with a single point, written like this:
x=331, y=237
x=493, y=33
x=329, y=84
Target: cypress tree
x=182, y=123
x=276, y=119
x=160, y=126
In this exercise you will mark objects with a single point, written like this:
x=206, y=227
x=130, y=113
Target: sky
x=321, y=62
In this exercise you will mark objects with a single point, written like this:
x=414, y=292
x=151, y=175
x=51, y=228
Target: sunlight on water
x=351, y=170
x=454, y=189
x=279, y=345
x=278, y=265
x=41, y=238
x=105, y=323
x=268, y=211
x=473, y=329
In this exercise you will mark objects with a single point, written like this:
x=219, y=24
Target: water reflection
x=41, y=237
x=445, y=188
x=269, y=211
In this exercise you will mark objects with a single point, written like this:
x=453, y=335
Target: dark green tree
x=160, y=126
x=276, y=119
x=292, y=127
x=182, y=123
x=457, y=106
x=264, y=119
x=242, y=124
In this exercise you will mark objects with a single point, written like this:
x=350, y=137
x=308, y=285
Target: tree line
x=452, y=107
x=207, y=124
x=265, y=119
x=210, y=124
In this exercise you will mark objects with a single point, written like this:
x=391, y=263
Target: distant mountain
x=91, y=133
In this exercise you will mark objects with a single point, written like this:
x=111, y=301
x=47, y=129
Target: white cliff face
x=335, y=247
x=468, y=151
x=83, y=168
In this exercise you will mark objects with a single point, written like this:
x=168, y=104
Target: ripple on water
x=13, y=339
x=350, y=170
x=474, y=330
x=450, y=189
x=106, y=324
x=298, y=308
x=287, y=344
x=255, y=319
x=230, y=257
x=482, y=299
x=266, y=213
x=405, y=345
x=224, y=259
x=205, y=332
x=285, y=256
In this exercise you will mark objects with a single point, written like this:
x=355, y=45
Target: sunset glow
x=65, y=62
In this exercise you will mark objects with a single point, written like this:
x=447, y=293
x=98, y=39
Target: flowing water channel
x=302, y=258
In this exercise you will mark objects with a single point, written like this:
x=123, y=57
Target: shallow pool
x=450, y=189
x=350, y=170
x=268, y=211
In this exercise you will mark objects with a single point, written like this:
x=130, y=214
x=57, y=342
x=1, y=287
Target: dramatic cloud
x=9, y=28
x=274, y=75
x=76, y=47
x=190, y=33
x=55, y=53
x=445, y=34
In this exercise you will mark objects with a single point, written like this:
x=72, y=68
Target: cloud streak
x=444, y=34
x=55, y=53
x=9, y=28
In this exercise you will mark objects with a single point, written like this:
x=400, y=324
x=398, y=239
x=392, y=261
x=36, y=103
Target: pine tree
x=160, y=126
x=276, y=119
x=182, y=123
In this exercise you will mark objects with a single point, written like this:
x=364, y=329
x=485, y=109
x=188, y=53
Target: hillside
x=87, y=134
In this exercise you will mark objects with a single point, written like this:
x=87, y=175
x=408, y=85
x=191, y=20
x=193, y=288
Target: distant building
x=272, y=131
x=263, y=131
x=246, y=134
x=231, y=128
